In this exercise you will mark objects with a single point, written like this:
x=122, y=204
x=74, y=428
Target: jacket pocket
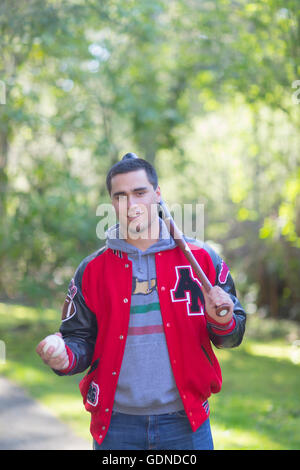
x=207, y=355
x=90, y=389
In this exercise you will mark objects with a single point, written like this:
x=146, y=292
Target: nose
x=132, y=202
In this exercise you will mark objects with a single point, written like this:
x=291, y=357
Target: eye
x=120, y=197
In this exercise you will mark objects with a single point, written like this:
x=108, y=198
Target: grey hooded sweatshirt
x=146, y=383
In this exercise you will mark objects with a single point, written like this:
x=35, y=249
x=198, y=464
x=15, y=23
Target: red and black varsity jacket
x=96, y=317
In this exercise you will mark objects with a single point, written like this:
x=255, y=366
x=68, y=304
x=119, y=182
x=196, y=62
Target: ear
x=158, y=194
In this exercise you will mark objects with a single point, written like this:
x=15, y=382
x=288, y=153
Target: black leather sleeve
x=79, y=324
x=225, y=281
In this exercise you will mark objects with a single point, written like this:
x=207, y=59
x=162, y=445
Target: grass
x=258, y=407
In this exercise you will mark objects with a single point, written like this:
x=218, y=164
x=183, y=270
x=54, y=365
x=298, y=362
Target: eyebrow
x=123, y=193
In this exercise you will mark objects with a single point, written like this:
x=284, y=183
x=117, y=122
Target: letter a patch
x=188, y=289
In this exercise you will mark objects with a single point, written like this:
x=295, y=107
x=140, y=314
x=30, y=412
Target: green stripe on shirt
x=145, y=308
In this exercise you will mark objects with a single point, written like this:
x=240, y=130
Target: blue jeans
x=171, y=431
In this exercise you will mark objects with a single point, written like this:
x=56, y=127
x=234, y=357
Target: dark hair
x=128, y=164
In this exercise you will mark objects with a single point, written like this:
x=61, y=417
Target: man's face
x=135, y=202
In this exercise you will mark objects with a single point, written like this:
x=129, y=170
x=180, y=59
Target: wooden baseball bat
x=221, y=310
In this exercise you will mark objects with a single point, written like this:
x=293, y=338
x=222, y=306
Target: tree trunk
x=3, y=201
x=3, y=174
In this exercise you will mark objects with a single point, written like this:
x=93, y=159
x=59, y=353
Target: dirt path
x=27, y=425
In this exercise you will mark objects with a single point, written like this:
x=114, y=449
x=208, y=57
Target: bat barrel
x=178, y=236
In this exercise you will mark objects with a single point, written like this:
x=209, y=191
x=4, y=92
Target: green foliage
x=49, y=229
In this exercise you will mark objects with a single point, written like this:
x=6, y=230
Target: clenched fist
x=214, y=299
x=59, y=362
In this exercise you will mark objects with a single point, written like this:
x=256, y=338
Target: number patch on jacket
x=93, y=394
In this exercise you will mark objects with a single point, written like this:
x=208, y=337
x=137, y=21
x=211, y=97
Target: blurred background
x=208, y=92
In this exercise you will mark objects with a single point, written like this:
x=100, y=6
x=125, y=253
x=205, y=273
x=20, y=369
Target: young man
x=136, y=314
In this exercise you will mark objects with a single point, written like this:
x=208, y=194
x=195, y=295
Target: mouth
x=134, y=217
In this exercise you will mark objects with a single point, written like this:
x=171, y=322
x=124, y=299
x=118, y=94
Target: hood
x=165, y=242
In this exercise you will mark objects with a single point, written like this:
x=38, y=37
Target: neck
x=144, y=242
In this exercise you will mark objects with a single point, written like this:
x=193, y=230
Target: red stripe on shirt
x=145, y=330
